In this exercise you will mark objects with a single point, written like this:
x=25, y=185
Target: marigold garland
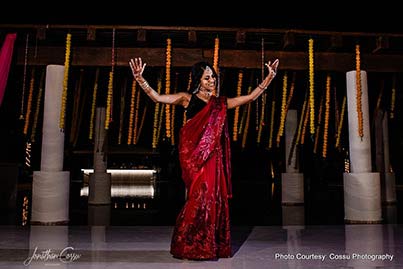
x=327, y=111
x=131, y=116
x=93, y=105
x=304, y=127
x=318, y=125
x=216, y=54
x=38, y=106
x=311, y=88
x=29, y=103
x=339, y=128
x=108, y=117
x=359, y=91
x=283, y=114
x=65, y=82
x=168, y=87
x=136, y=118
x=156, y=116
x=236, y=116
x=188, y=89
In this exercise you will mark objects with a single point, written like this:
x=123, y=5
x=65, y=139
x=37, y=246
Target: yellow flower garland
x=216, y=54
x=65, y=82
x=38, y=106
x=359, y=91
x=283, y=109
x=131, y=117
x=343, y=109
x=93, y=105
x=168, y=87
x=327, y=111
x=156, y=114
x=136, y=119
x=29, y=104
x=236, y=116
x=311, y=88
x=108, y=118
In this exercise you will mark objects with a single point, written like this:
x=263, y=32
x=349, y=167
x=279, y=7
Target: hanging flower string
x=327, y=111
x=168, y=87
x=29, y=104
x=311, y=88
x=65, y=82
x=358, y=91
x=131, y=117
x=339, y=128
x=318, y=125
x=236, y=116
x=156, y=116
x=109, y=102
x=247, y=119
x=283, y=109
x=216, y=54
x=24, y=79
x=93, y=105
x=188, y=88
x=136, y=118
x=38, y=107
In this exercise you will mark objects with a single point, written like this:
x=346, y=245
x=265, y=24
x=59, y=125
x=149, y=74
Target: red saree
x=202, y=229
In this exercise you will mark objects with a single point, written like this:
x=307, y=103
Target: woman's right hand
x=137, y=67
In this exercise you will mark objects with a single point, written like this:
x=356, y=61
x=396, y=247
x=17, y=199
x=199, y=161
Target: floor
x=293, y=246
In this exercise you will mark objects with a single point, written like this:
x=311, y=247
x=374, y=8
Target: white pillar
x=99, y=192
x=362, y=197
x=292, y=182
x=51, y=185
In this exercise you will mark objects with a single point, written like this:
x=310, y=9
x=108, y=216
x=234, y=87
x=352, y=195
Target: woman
x=202, y=230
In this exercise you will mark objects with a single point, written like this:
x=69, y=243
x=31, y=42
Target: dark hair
x=196, y=74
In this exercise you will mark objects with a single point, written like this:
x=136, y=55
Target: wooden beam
x=185, y=57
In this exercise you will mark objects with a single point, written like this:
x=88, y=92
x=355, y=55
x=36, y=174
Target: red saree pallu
x=202, y=230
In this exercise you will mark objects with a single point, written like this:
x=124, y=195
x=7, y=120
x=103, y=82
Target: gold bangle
x=261, y=87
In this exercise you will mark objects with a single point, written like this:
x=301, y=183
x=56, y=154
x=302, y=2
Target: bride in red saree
x=202, y=229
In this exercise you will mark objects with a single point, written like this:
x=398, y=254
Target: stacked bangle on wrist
x=261, y=87
x=144, y=85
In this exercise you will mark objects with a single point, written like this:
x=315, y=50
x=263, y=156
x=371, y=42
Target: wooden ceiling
x=240, y=47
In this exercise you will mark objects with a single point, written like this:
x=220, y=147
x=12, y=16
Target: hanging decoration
x=93, y=105
x=216, y=54
x=327, y=111
x=156, y=116
x=131, y=117
x=247, y=119
x=65, y=82
x=236, y=116
x=273, y=109
x=109, y=101
x=136, y=118
x=339, y=128
x=29, y=103
x=318, y=125
x=311, y=88
x=38, y=106
x=358, y=91
x=168, y=87
x=283, y=114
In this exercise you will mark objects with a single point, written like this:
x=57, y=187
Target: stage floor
x=294, y=246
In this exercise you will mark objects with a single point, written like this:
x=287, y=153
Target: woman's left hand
x=272, y=67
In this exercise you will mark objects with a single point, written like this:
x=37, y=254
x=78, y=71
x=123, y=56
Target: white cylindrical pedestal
x=293, y=215
x=362, y=197
x=290, y=128
x=292, y=188
x=51, y=185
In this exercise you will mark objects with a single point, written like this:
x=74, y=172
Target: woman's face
x=208, y=80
